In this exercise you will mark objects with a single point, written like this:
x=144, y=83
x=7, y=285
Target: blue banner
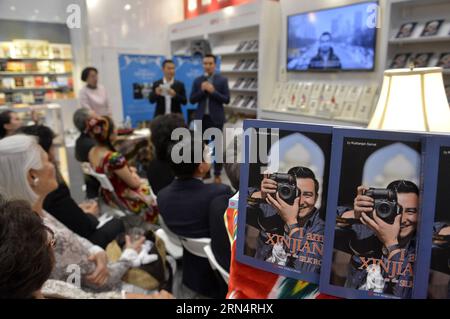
x=137, y=74
x=187, y=69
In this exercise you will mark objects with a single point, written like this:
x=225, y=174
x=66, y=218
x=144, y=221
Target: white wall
x=143, y=29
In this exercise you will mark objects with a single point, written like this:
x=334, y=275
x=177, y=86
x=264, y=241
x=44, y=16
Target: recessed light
x=127, y=7
x=12, y=8
x=36, y=11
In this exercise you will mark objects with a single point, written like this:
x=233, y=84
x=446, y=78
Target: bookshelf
x=34, y=72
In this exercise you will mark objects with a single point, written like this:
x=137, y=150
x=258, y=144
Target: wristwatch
x=388, y=250
x=289, y=228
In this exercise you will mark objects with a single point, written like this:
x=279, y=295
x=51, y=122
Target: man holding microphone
x=210, y=91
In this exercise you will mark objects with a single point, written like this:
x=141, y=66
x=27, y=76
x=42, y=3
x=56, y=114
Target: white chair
x=215, y=265
x=196, y=246
x=172, y=248
x=105, y=183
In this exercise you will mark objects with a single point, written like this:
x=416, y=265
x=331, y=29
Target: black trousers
x=207, y=123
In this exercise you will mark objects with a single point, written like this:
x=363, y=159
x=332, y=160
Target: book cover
x=238, y=83
x=421, y=60
x=372, y=214
x=237, y=101
x=19, y=82
x=241, y=46
x=431, y=28
x=283, y=195
x=433, y=260
x=444, y=60
x=28, y=81
x=250, y=45
x=239, y=64
x=406, y=30
x=248, y=63
x=276, y=95
x=400, y=61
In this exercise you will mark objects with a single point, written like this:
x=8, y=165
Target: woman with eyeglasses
x=27, y=174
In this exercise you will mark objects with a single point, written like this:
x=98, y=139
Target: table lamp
x=412, y=100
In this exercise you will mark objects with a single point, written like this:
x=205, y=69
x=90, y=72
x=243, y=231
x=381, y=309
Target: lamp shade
x=412, y=100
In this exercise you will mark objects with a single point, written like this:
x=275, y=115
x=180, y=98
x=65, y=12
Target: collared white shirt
x=210, y=80
x=167, y=97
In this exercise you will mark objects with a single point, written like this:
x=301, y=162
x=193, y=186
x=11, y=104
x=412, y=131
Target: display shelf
x=33, y=59
x=290, y=116
x=242, y=53
x=420, y=40
x=35, y=89
x=244, y=90
x=241, y=110
x=5, y=73
x=239, y=71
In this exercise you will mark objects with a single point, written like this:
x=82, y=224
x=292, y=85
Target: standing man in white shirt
x=168, y=93
x=93, y=96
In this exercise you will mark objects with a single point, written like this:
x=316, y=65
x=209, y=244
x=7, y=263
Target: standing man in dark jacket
x=168, y=93
x=210, y=91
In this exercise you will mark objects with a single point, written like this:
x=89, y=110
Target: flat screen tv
x=337, y=39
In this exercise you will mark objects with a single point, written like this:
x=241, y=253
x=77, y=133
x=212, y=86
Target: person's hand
x=288, y=213
x=204, y=85
x=158, y=90
x=101, y=274
x=443, y=232
x=90, y=207
x=268, y=186
x=362, y=203
x=386, y=233
x=172, y=92
x=135, y=245
x=210, y=88
x=133, y=170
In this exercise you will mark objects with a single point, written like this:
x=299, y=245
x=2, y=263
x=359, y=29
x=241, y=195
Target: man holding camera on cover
x=382, y=226
x=292, y=197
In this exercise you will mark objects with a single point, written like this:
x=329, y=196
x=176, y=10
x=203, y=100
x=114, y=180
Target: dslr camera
x=385, y=203
x=287, y=186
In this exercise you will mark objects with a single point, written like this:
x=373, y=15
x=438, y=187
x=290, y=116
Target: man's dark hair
x=86, y=71
x=326, y=33
x=402, y=186
x=27, y=258
x=5, y=118
x=162, y=127
x=166, y=62
x=304, y=172
x=185, y=170
x=45, y=135
x=211, y=56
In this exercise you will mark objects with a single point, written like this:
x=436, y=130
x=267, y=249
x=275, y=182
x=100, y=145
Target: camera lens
x=285, y=192
x=384, y=210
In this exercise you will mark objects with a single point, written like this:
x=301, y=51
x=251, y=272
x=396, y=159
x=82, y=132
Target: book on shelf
x=316, y=91
x=248, y=83
x=354, y=93
x=19, y=82
x=39, y=81
x=400, y=60
x=406, y=30
x=238, y=83
x=248, y=63
x=237, y=101
x=241, y=46
x=444, y=60
x=294, y=95
x=8, y=83
x=303, y=99
x=254, y=86
x=28, y=98
x=28, y=82
x=421, y=60
x=247, y=101
x=43, y=66
x=2, y=98
x=239, y=64
x=251, y=45
x=432, y=28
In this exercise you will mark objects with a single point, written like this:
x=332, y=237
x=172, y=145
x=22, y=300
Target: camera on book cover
x=385, y=203
x=287, y=186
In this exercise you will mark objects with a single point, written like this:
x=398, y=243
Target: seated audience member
x=185, y=207
x=83, y=146
x=159, y=173
x=27, y=249
x=134, y=193
x=10, y=122
x=61, y=205
x=27, y=174
x=25, y=246
x=220, y=243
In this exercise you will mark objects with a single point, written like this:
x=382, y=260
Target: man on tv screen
x=325, y=58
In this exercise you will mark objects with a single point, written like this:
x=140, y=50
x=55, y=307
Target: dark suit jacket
x=217, y=99
x=61, y=205
x=178, y=100
x=159, y=175
x=185, y=207
x=83, y=145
